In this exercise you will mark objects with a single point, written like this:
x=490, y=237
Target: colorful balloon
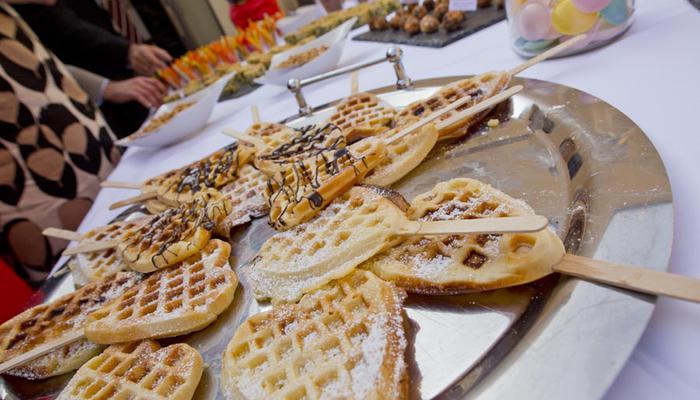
x=533, y=21
x=590, y=6
x=616, y=12
x=568, y=20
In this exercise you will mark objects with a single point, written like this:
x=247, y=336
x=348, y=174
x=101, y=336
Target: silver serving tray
x=573, y=158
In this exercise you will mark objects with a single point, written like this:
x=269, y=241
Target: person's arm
x=94, y=85
x=74, y=40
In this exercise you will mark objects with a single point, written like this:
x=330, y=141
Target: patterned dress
x=55, y=148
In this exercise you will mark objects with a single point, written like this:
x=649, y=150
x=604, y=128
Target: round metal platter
x=573, y=158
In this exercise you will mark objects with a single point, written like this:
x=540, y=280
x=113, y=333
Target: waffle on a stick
x=93, y=266
x=453, y=264
x=175, y=234
x=212, y=172
x=52, y=321
x=307, y=142
x=297, y=193
x=403, y=155
x=138, y=370
x=344, y=340
x=247, y=196
x=361, y=115
x=356, y=225
x=478, y=88
x=173, y=301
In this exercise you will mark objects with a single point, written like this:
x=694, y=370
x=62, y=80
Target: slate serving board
x=474, y=22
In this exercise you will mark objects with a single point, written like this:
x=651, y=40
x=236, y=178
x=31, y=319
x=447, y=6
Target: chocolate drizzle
x=172, y=226
x=214, y=172
x=324, y=154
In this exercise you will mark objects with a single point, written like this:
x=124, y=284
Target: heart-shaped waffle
x=173, y=301
x=361, y=115
x=453, y=264
x=344, y=340
x=138, y=370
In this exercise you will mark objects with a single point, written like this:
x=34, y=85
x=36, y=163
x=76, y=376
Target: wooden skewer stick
x=40, y=351
x=89, y=247
x=529, y=223
x=120, y=185
x=354, y=82
x=255, y=113
x=244, y=137
x=475, y=109
x=547, y=54
x=642, y=280
x=151, y=194
x=62, y=234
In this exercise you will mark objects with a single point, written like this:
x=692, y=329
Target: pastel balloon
x=616, y=12
x=533, y=21
x=568, y=20
x=590, y=6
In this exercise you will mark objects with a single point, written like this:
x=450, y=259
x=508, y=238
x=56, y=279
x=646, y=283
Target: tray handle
x=393, y=55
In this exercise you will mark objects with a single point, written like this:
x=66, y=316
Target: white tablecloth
x=652, y=75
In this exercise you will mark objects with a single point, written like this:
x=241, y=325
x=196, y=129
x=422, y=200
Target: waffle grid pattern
x=361, y=115
x=169, y=302
x=357, y=225
x=464, y=263
x=51, y=321
x=478, y=88
x=138, y=370
x=344, y=340
x=247, y=196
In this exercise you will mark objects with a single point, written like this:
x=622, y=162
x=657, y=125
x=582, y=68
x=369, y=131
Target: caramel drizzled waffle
x=175, y=234
x=306, y=186
x=173, y=301
x=345, y=340
x=138, y=370
x=356, y=225
x=52, y=321
x=453, y=264
x=477, y=88
x=361, y=115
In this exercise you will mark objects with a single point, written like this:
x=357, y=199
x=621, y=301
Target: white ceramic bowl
x=184, y=124
x=327, y=61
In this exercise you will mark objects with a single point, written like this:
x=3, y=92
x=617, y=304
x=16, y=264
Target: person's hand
x=145, y=59
x=147, y=91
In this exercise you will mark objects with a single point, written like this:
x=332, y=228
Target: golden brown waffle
x=155, y=206
x=215, y=171
x=355, y=226
x=467, y=263
x=479, y=88
x=247, y=196
x=342, y=341
x=402, y=156
x=91, y=267
x=361, y=115
x=305, y=187
x=138, y=370
x=175, y=234
x=174, y=301
x=272, y=133
x=49, y=322
x=306, y=142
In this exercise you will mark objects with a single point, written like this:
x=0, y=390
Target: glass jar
x=537, y=25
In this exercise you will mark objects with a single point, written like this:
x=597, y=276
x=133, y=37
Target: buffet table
x=649, y=74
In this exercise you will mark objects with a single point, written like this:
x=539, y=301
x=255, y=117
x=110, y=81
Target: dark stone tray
x=474, y=22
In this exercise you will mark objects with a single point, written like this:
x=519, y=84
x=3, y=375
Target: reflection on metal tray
x=575, y=159
x=243, y=90
x=474, y=22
